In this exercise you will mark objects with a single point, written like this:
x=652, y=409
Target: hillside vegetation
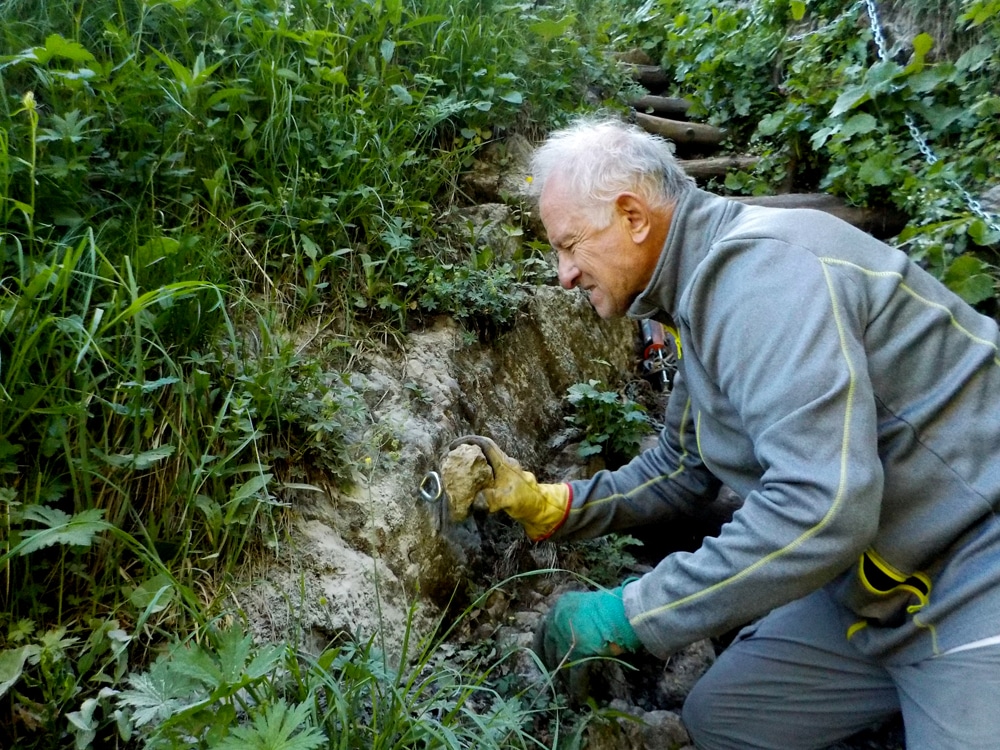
x=192, y=191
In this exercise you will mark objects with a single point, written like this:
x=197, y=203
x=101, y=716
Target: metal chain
x=919, y=138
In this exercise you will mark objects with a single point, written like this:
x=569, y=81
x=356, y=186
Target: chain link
x=919, y=138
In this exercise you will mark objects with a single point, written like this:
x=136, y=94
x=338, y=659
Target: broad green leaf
x=83, y=724
x=929, y=79
x=850, y=98
x=234, y=650
x=77, y=530
x=387, y=49
x=152, y=385
x=251, y=487
x=402, y=94
x=57, y=46
x=11, y=666
x=265, y=660
x=158, y=694
x=967, y=277
x=798, y=10
x=820, y=137
x=987, y=106
x=139, y=461
x=770, y=124
x=394, y=9
x=875, y=170
x=941, y=117
x=514, y=97
x=309, y=246
x=857, y=124
x=922, y=44
x=881, y=75
x=154, y=594
x=981, y=233
x=974, y=58
x=551, y=29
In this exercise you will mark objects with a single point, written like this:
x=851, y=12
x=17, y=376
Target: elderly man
x=852, y=401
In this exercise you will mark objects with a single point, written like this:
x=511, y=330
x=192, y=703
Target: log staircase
x=695, y=142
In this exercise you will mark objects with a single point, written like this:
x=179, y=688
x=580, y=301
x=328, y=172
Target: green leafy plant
x=205, y=208
x=225, y=691
x=611, y=424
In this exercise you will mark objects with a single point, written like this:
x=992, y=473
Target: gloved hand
x=584, y=624
x=539, y=508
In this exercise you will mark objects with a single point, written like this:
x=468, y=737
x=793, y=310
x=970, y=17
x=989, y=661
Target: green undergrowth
x=802, y=85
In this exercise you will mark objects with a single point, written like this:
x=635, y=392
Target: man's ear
x=634, y=211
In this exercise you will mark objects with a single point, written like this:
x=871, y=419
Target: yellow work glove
x=539, y=508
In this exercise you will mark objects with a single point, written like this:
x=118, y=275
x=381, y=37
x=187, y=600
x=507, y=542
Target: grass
x=184, y=186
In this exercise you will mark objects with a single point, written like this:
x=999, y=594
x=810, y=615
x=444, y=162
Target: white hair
x=602, y=157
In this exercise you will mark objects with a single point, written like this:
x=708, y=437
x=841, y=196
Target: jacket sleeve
x=779, y=342
x=661, y=484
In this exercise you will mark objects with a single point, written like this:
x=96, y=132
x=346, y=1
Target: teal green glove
x=584, y=624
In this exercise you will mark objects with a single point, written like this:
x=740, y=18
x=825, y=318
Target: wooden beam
x=652, y=77
x=662, y=106
x=879, y=222
x=703, y=169
x=681, y=132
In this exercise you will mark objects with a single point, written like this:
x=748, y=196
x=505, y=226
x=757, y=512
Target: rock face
x=439, y=388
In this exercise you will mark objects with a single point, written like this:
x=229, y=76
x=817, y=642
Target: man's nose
x=569, y=274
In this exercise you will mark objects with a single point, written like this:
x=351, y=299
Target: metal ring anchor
x=431, y=487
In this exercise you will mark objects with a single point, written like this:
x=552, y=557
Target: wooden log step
x=681, y=132
x=662, y=106
x=879, y=222
x=717, y=166
x=652, y=77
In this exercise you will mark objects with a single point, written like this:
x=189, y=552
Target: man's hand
x=539, y=508
x=585, y=624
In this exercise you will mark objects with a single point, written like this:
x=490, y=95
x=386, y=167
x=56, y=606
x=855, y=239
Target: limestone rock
x=648, y=730
x=464, y=472
x=681, y=672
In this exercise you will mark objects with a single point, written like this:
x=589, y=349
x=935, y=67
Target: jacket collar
x=694, y=227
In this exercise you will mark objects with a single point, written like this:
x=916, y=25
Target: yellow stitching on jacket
x=935, y=649
x=859, y=625
x=969, y=334
x=676, y=472
x=838, y=497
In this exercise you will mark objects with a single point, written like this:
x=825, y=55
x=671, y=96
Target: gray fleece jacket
x=851, y=399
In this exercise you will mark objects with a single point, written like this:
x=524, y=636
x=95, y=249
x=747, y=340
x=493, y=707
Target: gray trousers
x=792, y=681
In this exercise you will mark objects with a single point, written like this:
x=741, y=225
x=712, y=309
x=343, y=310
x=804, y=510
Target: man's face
x=605, y=262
